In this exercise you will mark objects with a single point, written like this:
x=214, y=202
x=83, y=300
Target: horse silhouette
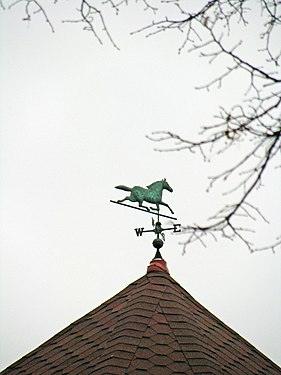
x=151, y=194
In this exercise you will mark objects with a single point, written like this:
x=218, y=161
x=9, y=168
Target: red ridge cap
x=158, y=265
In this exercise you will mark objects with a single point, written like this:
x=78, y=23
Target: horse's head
x=166, y=185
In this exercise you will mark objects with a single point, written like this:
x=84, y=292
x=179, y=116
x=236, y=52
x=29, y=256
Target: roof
x=153, y=326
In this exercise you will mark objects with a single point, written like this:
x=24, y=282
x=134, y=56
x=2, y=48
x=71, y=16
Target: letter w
x=139, y=231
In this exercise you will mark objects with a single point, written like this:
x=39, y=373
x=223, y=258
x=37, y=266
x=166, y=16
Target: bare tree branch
x=91, y=16
x=223, y=218
x=256, y=120
x=29, y=12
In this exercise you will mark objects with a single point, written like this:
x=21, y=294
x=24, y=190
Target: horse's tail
x=123, y=187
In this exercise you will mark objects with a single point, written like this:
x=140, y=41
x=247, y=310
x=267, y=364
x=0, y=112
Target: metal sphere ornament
x=157, y=243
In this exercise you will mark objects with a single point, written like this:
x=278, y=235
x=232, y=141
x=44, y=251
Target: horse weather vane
x=151, y=194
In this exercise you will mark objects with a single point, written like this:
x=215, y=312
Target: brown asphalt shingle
x=151, y=327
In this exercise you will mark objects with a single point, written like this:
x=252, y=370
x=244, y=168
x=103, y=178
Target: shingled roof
x=153, y=326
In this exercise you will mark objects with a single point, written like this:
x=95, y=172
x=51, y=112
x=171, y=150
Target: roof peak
x=158, y=264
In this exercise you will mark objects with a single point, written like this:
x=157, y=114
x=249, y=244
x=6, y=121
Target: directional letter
x=139, y=231
x=175, y=228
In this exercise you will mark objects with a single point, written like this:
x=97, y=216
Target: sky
x=74, y=119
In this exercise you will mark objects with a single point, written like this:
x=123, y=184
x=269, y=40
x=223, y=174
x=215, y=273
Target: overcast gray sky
x=74, y=116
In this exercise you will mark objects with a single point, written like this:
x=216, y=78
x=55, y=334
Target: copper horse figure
x=151, y=194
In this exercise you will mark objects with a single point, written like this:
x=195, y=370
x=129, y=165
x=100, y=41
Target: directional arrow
x=141, y=209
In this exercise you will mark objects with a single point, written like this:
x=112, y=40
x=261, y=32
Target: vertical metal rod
x=158, y=234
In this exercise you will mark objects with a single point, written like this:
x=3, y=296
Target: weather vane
x=151, y=194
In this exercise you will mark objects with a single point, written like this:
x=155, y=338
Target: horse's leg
x=140, y=205
x=155, y=208
x=165, y=204
x=126, y=199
